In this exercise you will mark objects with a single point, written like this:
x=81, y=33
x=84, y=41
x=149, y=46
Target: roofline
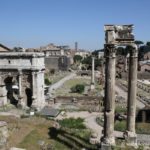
x=1, y=45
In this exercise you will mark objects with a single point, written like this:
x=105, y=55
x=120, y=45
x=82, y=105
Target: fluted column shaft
x=132, y=89
x=109, y=101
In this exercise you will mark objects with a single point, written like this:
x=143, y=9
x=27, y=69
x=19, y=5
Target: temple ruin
x=119, y=35
x=22, y=79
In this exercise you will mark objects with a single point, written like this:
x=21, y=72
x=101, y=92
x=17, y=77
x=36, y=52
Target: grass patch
x=73, y=123
x=143, y=128
x=65, y=90
x=120, y=109
x=31, y=141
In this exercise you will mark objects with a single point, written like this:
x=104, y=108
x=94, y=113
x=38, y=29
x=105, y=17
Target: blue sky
x=33, y=23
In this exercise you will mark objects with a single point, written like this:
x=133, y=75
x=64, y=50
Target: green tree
x=79, y=88
x=96, y=52
x=47, y=81
x=148, y=43
x=87, y=61
x=77, y=58
x=138, y=42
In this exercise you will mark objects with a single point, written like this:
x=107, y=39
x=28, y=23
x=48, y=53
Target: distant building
x=83, y=53
x=144, y=66
x=100, y=54
x=4, y=48
x=147, y=56
x=56, y=57
x=76, y=46
x=52, y=50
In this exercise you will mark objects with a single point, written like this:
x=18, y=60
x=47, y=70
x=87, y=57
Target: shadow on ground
x=70, y=140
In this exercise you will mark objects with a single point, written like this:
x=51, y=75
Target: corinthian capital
x=110, y=50
x=134, y=50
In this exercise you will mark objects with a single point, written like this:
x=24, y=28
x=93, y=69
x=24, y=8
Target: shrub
x=120, y=125
x=47, y=81
x=73, y=123
x=79, y=88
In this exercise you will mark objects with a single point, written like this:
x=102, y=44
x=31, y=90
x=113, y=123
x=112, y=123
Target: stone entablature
x=22, y=79
x=22, y=60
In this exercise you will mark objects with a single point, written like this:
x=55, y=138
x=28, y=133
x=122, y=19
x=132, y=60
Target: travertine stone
x=18, y=67
x=119, y=35
x=131, y=112
x=109, y=101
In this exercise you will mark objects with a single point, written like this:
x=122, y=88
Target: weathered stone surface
x=17, y=84
x=14, y=148
x=3, y=135
x=130, y=138
x=117, y=35
x=132, y=92
x=109, y=101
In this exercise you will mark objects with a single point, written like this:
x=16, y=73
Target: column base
x=105, y=146
x=130, y=138
x=92, y=86
x=108, y=141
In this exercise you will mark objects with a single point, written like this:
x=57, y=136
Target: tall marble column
x=132, y=89
x=109, y=100
x=34, y=90
x=93, y=75
x=20, y=102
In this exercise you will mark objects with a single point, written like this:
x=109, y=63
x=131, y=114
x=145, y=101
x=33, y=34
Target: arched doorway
x=12, y=90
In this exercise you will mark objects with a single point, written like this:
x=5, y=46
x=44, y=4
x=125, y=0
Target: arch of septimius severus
x=116, y=35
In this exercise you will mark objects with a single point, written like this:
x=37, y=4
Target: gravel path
x=61, y=82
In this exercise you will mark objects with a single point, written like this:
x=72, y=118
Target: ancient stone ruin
x=3, y=135
x=22, y=79
x=119, y=35
x=93, y=75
